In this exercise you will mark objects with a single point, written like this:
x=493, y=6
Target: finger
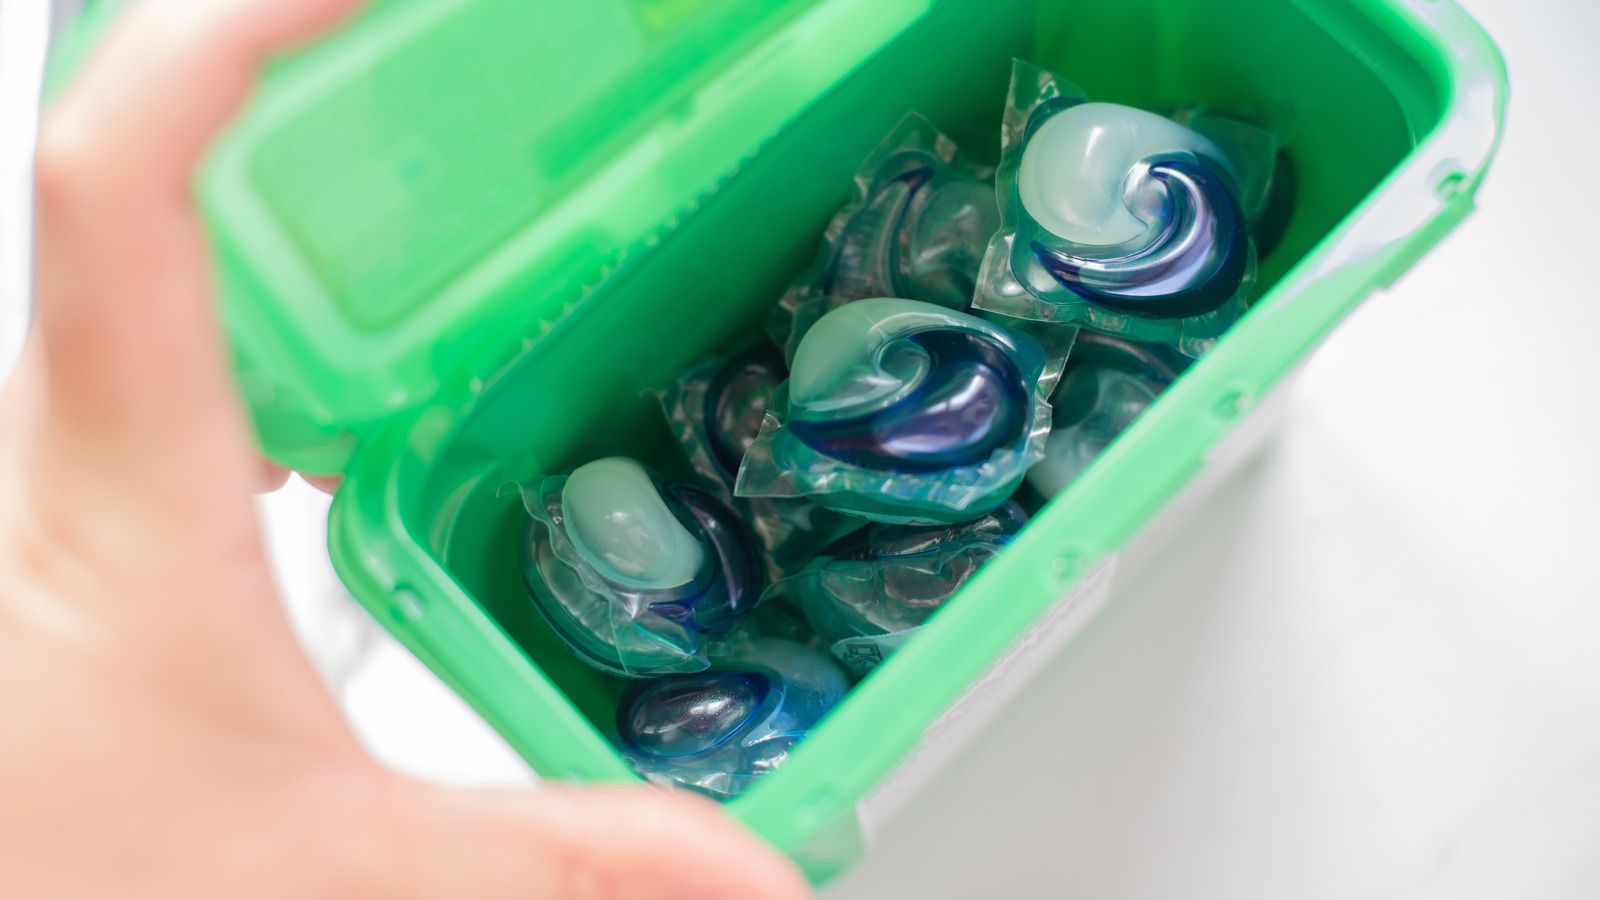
x=561, y=842
x=171, y=75
x=324, y=483
x=124, y=285
x=273, y=478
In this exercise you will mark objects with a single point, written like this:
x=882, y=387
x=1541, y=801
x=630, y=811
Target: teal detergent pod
x=637, y=577
x=1120, y=220
x=902, y=411
x=719, y=732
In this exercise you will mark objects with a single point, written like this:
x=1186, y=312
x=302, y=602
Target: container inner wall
x=579, y=393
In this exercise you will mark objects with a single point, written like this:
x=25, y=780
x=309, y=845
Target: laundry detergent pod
x=637, y=577
x=715, y=411
x=1107, y=383
x=718, y=732
x=902, y=411
x=871, y=591
x=1121, y=220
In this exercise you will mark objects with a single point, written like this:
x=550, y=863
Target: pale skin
x=163, y=735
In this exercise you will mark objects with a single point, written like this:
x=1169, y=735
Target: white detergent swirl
x=1084, y=172
x=623, y=528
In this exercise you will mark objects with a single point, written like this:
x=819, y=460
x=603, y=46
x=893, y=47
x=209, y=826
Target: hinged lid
x=404, y=204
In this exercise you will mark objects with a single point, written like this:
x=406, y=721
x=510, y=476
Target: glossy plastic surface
x=637, y=577
x=719, y=732
x=715, y=411
x=1107, y=384
x=916, y=227
x=1121, y=220
x=903, y=411
x=871, y=591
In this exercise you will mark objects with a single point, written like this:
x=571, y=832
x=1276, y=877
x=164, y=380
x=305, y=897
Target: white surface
x=23, y=28
x=1372, y=671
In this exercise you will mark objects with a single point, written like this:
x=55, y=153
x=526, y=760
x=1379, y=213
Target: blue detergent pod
x=1107, y=383
x=902, y=411
x=917, y=226
x=715, y=411
x=717, y=732
x=871, y=591
x=735, y=403
x=1120, y=220
x=637, y=577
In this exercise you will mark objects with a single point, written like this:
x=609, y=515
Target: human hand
x=164, y=735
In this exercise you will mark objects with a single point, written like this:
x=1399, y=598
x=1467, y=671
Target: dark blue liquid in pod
x=736, y=582
x=1194, y=265
x=973, y=402
x=736, y=402
x=686, y=715
x=869, y=247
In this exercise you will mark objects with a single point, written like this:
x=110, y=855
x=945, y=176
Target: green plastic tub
x=459, y=238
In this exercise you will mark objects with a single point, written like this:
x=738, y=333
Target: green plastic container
x=459, y=238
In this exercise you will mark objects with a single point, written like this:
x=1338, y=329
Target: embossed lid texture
x=410, y=201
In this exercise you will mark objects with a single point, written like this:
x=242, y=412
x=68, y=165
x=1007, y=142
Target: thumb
x=566, y=843
x=137, y=369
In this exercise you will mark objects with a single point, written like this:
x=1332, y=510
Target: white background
x=1372, y=668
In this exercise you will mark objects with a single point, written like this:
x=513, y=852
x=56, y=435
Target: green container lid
x=408, y=203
